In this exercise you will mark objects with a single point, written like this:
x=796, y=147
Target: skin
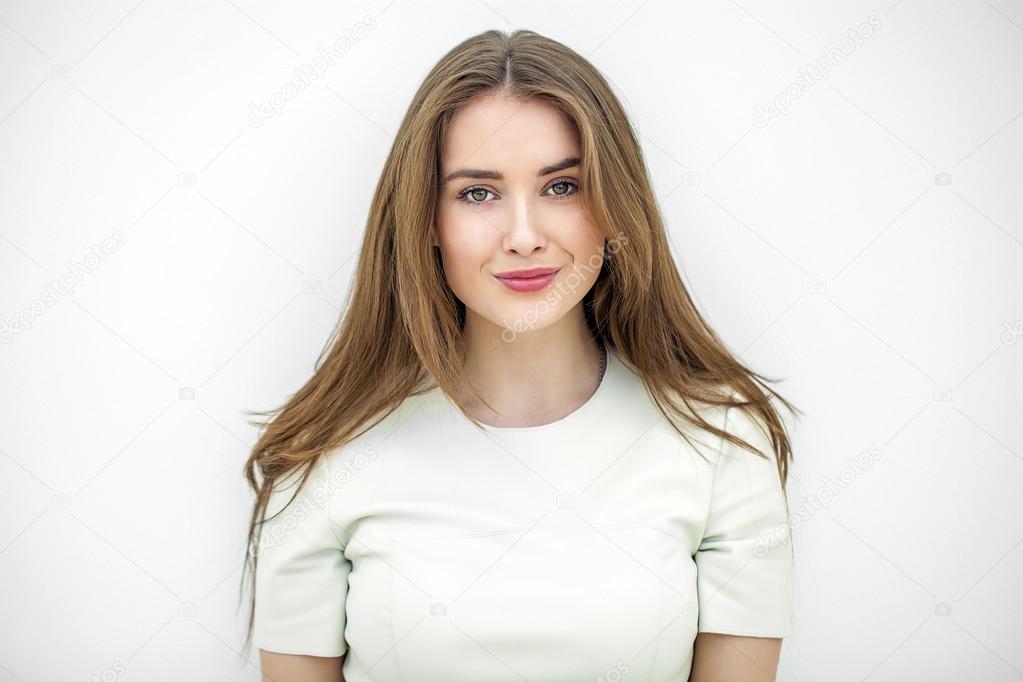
x=731, y=658
x=716, y=658
x=291, y=668
x=530, y=354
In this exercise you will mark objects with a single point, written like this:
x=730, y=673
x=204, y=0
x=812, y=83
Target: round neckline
x=577, y=413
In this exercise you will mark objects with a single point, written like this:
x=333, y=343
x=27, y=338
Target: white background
x=866, y=247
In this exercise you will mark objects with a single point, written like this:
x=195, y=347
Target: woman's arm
x=291, y=668
x=731, y=658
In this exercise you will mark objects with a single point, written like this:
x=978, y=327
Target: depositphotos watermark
x=552, y=299
x=305, y=74
x=313, y=499
x=1012, y=332
x=64, y=285
x=820, y=499
x=114, y=671
x=811, y=74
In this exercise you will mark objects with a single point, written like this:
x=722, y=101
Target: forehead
x=499, y=133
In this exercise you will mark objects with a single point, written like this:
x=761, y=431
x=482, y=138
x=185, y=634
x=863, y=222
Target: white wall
x=866, y=246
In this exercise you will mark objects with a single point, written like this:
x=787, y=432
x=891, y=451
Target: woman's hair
x=401, y=332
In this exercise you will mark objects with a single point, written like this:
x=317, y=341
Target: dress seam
x=713, y=478
x=390, y=625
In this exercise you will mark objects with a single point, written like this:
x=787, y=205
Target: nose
x=524, y=235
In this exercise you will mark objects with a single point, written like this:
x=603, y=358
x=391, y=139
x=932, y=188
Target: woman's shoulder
x=406, y=420
x=725, y=416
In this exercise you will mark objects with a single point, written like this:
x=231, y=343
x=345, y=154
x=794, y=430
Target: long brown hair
x=401, y=332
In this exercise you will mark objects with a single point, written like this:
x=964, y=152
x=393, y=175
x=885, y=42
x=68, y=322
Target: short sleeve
x=302, y=572
x=744, y=562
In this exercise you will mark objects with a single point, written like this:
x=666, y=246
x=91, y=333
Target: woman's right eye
x=474, y=195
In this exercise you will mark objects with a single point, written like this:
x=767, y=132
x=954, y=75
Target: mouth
x=533, y=279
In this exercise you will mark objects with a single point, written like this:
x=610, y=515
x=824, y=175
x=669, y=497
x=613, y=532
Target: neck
x=532, y=378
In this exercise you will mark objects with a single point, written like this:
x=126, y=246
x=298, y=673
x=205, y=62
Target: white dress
x=591, y=548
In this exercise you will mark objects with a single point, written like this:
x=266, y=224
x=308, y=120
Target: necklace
x=603, y=363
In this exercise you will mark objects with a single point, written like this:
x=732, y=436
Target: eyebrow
x=494, y=175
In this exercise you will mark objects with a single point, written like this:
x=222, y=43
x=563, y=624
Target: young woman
x=526, y=455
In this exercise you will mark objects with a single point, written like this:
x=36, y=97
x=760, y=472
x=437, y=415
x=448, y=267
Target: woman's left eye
x=568, y=188
x=474, y=195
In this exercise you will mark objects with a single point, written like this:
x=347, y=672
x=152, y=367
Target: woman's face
x=509, y=200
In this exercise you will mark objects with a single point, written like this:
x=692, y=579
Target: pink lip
x=526, y=274
x=533, y=279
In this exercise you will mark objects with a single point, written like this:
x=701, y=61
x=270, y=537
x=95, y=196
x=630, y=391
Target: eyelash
x=462, y=196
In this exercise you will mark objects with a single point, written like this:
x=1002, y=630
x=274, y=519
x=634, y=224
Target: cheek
x=586, y=244
x=465, y=248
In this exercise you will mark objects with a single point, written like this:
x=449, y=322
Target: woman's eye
x=474, y=195
x=564, y=188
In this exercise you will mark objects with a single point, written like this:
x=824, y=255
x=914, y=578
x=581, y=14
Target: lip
x=533, y=279
x=526, y=274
